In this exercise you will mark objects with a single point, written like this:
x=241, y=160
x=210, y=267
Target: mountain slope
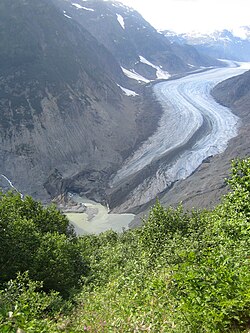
x=73, y=99
x=62, y=111
x=235, y=93
x=133, y=41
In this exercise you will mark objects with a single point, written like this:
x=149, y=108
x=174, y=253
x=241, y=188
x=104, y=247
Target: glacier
x=193, y=127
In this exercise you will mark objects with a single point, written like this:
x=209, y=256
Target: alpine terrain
x=113, y=121
x=224, y=44
x=76, y=95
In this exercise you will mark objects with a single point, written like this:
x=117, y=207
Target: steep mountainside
x=62, y=111
x=235, y=93
x=223, y=44
x=133, y=41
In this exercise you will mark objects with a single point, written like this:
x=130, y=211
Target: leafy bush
x=24, y=305
x=41, y=241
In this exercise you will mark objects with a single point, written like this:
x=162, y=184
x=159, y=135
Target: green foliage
x=238, y=200
x=58, y=263
x=162, y=225
x=240, y=175
x=181, y=272
x=24, y=305
x=39, y=240
x=45, y=219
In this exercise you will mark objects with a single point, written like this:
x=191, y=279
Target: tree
x=39, y=240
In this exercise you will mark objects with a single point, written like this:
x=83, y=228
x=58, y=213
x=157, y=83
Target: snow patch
x=64, y=13
x=127, y=91
x=160, y=74
x=135, y=76
x=77, y=5
x=81, y=7
x=120, y=19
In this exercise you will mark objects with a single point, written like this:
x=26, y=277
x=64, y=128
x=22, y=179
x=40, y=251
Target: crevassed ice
x=190, y=102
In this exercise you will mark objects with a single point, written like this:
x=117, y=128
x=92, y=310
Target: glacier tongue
x=193, y=127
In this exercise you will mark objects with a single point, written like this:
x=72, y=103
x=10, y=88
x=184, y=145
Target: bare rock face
x=235, y=93
x=62, y=111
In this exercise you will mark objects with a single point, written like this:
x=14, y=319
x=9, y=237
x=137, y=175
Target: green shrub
x=181, y=272
x=38, y=240
x=24, y=305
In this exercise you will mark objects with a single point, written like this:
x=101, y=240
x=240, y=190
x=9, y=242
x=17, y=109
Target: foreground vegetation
x=181, y=272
